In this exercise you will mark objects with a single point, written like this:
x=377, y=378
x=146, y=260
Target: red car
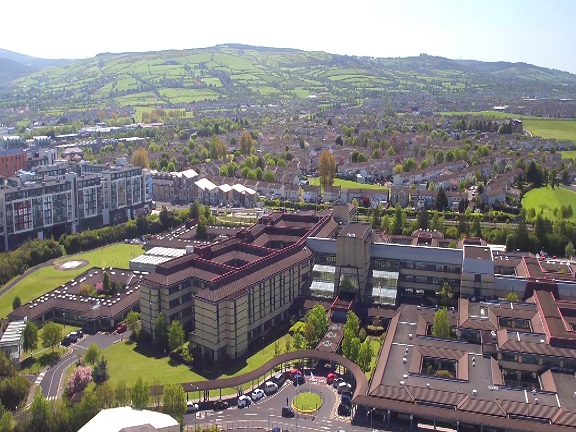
x=295, y=371
x=331, y=377
x=122, y=328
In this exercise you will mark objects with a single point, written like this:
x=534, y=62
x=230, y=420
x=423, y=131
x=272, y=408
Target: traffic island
x=307, y=402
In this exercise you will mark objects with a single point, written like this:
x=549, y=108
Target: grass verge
x=307, y=402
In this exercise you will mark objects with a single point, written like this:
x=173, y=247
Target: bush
x=373, y=330
x=444, y=374
x=296, y=328
x=362, y=334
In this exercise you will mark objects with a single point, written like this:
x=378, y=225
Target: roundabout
x=307, y=402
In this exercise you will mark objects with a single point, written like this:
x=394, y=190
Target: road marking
x=251, y=414
x=39, y=378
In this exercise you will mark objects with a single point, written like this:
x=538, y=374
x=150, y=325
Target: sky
x=539, y=32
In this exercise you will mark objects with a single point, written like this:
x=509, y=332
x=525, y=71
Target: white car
x=257, y=394
x=191, y=407
x=244, y=401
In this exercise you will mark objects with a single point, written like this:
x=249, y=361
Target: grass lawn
x=375, y=342
x=126, y=361
x=547, y=199
x=568, y=154
x=315, y=181
x=42, y=357
x=46, y=279
x=307, y=402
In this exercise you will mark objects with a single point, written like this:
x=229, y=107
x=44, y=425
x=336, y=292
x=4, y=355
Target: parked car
x=80, y=334
x=257, y=394
x=346, y=400
x=294, y=371
x=345, y=394
x=275, y=429
x=191, y=407
x=279, y=378
x=122, y=327
x=344, y=410
x=287, y=412
x=298, y=379
x=270, y=387
x=244, y=401
x=343, y=386
x=336, y=382
x=331, y=377
x=220, y=405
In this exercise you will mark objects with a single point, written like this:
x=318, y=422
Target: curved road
x=52, y=382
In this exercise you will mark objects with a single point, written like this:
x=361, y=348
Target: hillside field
x=547, y=199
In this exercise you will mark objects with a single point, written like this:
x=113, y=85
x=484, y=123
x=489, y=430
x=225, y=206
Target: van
x=279, y=378
x=287, y=412
x=270, y=387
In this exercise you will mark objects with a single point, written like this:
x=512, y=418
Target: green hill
x=247, y=73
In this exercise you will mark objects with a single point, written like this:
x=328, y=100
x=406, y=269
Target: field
x=543, y=127
x=348, y=184
x=547, y=199
x=48, y=278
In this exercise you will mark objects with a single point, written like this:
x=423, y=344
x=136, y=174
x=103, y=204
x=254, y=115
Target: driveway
x=52, y=382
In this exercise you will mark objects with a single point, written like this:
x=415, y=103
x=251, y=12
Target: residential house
x=331, y=194
x=311, y=194
x=399, y=194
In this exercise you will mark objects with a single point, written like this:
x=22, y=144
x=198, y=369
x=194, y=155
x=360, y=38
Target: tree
x=352, y=322
x=446, y=294
x=16, y=303
x=246, y=143
x=6, y=420
x=298, y=342
x=277, y=349
x=51, y=335
x=122, y=394
x=161, y=332
x=92, y=354
x=510, y=242
x=79, y=380
x=175, y=335
x=30, y=336
x=269, y=176
x=140, y=394
x=365, y=355
x=174, y=402
x=441, y=325
x=326, y=168
x=569, y=250
x=39, y=411
x=377, y=216
x=354, y=349
x=288, y=345
x=140, y=158
x=512, y=297
x=423, y=219
x=100, y=373
x=441, y=200
x=86, y=409
x=309, y=334
x=106, y=283
x=319, y=322
x=133, y=322
x=398, y=222
x=105, y=393
x=202, y=229
x=476, y=227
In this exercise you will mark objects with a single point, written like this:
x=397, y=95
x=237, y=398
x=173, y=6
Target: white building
x=128, y=418
x=11, y=341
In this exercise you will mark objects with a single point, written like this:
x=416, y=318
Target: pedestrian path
x=40, y=377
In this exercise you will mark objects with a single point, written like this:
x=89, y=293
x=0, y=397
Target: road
x=52, y=382
x=266, y=413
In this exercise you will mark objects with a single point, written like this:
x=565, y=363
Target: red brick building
x=12, y=160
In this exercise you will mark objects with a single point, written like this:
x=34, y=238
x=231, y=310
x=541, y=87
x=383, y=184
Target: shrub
x=296, y=328
x=374, y=330
x=362, y=334
x=444, y=374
